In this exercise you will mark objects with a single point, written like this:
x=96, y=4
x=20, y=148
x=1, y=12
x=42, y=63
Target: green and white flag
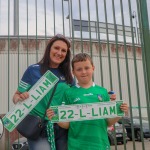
x=36, y=93
x=87, y=111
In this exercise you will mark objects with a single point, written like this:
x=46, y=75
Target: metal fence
x=114, y=32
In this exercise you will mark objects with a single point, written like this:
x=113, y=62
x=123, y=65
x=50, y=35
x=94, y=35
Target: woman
x=56, y=59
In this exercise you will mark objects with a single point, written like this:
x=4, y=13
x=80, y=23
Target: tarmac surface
x=130, y=145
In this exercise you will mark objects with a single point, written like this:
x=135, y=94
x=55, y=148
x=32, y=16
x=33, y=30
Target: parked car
x=117, y=133
x=137, y=128
x=20, y=144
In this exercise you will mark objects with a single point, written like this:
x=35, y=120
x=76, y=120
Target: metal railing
x=114, y=32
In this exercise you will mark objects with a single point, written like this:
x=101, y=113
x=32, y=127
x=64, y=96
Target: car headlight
x=119, y=131
x=125, y=130
x=17, y=146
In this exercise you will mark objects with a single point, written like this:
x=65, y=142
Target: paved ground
x=129, y=146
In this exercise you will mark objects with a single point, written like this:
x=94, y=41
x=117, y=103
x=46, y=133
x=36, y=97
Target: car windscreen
x=137, y=121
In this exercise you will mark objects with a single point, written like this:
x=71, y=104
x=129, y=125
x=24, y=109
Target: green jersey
x=31, y=76
x=89, y=134
x=42, y=105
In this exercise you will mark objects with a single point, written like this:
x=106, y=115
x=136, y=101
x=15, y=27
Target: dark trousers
x=61, y=137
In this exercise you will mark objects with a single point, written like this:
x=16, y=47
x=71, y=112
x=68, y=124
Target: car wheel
x=122, y=142
x=138, y=135
x=125, y=142
x=110, y=141
x=130, y=138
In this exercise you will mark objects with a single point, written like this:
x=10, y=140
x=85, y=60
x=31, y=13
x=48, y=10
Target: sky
x=32, y=17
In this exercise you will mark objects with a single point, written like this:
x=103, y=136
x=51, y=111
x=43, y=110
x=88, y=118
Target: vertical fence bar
x=117, y=52
x=71, y=17
x=63, y=18
x=0, y=16
x=45, y=35
x=99, y=43
x=45, y=19
x=89, y=20
x=127, y=70
x=54, y=16
x=36, y=29
x=27, y=33
x=144, y=62
x=118, y=63
x=16, y=14
x=8, y=66
x=135, y=68
x=18, y=39
x=143, y=14
x=80, y=18
x=107, y=39
x=145, y=36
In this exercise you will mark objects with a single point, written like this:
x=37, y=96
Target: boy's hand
x=124, y=108
x=50, y=113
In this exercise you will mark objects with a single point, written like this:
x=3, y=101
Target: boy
x=89, y=134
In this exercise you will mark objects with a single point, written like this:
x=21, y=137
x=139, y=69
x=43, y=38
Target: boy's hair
x=81, y=57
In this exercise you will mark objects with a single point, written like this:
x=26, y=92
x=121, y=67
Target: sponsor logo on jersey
x=62, y=78
x=76, y=100
x=89, y=94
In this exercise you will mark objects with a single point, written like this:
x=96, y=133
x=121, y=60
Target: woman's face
x=58, y=53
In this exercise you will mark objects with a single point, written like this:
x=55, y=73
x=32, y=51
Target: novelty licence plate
x=89, y=111
x=37, y=92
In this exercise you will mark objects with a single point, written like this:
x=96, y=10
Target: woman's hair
x=81, y=57
x=64, y=67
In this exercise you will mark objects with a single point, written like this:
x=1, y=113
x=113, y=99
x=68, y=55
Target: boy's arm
x=112, y=121
x=64, y=125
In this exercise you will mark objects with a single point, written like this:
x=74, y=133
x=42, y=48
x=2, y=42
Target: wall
x=23, y=53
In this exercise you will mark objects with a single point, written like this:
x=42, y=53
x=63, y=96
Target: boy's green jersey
x=90, y=134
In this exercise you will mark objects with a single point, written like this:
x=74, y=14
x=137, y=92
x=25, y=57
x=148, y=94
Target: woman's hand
x=50, y=113
x=20, y=96
x=113, y=97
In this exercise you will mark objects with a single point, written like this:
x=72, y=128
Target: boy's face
x=83, y=71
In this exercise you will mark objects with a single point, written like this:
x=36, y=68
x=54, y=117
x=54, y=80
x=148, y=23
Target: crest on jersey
x=99, y=97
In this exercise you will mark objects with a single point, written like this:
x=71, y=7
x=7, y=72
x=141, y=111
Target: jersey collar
x=78, y=86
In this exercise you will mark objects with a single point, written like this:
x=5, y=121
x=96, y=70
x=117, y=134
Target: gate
x=114, y=32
